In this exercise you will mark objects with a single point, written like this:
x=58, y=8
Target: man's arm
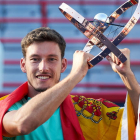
x=127, y=76
x=41, y=107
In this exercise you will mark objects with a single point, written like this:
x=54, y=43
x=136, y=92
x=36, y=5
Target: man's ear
x=64, y=65
x=22, y=65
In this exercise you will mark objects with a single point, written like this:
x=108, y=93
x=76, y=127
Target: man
x=42, y=107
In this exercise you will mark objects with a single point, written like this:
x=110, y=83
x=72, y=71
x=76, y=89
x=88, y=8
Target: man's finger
x=109, y=59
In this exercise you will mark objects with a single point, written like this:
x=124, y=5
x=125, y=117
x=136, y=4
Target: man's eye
x=52, y=59
x=34, y=59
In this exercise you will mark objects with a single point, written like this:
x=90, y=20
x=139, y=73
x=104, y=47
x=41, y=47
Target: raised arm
x=41, y=107
x=127, y=76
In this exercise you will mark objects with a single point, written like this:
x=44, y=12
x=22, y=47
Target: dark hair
x=43, y=34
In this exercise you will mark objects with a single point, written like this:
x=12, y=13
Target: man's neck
x=31, y=91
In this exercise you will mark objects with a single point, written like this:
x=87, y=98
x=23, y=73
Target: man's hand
x=80, y=63
x=127, y=76
x=117, y=65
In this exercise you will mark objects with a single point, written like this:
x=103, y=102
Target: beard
x=39, y=90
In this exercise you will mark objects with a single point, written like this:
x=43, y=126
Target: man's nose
x=43, y=66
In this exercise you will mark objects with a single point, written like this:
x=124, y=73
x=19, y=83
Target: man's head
x=43, y=61
x=40, y=35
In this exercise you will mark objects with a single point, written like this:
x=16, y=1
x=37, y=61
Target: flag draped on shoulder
x=70, y=125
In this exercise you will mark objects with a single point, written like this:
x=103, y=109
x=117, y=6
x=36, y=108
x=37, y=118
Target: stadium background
x=18, y=17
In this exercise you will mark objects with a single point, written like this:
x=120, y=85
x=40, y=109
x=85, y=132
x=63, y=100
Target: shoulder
x=17, y=105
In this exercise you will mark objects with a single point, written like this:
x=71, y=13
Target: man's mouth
x=43, y=77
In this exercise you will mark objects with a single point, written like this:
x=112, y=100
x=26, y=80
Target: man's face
x=43, y=65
